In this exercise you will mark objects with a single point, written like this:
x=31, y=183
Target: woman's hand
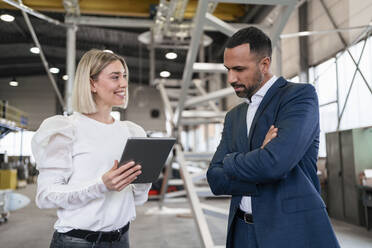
x=271, y=134
x=116, y=179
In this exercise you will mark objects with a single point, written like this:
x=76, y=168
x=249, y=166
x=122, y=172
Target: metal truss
x=367, y=32
x=178, y=117
x=26, y=10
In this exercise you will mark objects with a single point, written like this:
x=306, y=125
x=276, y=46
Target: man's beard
x=248, y=92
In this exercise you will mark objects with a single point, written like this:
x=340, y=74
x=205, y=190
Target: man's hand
x=271, y=134
x=116, y=179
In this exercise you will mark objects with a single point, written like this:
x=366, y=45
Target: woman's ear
x=93, y=87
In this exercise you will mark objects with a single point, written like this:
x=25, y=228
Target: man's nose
x=231, y=77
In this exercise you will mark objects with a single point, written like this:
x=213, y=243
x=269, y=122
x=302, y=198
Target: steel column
x=70, y=66
x=279, y=25
x=197, y=211
x=337, y=94
x=152, y=57
x=304, y=44
x=191, y=57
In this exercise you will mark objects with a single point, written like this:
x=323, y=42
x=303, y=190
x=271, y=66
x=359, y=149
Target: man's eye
x=115, y=78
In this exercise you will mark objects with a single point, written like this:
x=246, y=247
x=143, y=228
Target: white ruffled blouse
x=72, y=153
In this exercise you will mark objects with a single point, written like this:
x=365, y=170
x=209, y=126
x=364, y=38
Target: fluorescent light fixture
x=13, y=83
x=171, y=55
x=164, y=74
x=35, y=50
x=54, y=70
x=7, y=18
x=108, y=51
x=65, y=77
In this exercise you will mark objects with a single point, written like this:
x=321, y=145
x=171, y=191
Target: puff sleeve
x=52, y=149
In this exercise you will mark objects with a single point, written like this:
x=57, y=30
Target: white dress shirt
x=72, y=153
x=246, y=204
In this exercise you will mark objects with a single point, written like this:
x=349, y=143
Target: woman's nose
x=123, y=82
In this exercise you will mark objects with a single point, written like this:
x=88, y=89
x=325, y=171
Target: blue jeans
x=61, y=240
x=243, y=235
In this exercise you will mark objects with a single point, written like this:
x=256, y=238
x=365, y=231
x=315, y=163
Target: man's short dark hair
x=259, y=42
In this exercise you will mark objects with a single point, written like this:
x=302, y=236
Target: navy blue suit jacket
x=281, y=178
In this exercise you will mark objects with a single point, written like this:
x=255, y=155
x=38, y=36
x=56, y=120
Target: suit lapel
x=280, y=82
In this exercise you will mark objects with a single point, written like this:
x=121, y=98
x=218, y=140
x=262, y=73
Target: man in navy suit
x=266, y=159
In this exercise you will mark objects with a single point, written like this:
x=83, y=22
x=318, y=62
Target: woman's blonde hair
x=89, y=67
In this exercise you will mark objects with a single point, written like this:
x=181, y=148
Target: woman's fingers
x=118, y=178
x=128, y=180
x=133, y=170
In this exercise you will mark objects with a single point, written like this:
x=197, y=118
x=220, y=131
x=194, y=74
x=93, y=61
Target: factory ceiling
x=16, y=40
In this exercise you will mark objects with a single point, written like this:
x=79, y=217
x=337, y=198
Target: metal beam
x=197, y=211
x=202, y=114
x=166, y=101
x=72, y=7
x=322, y=32
x=337, y=93
x=70, y=66
x=111, y=22
x=220, y=25
x=345, y=45
x=210, y=96
x=191, y=56
x=279, y=24
x=203, y=92
x=152, y=58
x=42, y=56
x=215, y=211
x=131, y=22
x=198, y=156
x=303, y=43
x=30, y=11
x=261, y=2
x=328, y=103
x=351, y=85
x=200, y=121
x=209, y=67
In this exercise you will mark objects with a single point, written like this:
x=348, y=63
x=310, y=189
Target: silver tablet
x=150, y=153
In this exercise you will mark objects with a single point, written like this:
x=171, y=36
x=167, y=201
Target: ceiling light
x=35, y=50
x=108, y=51
x=164, y=74
x=171, y=55
x=54, y=70
x=7, y=18
x=65, y=77
x=13, y=83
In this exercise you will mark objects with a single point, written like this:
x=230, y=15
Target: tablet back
x=150, y=153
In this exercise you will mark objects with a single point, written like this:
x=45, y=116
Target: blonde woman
x=77, y=160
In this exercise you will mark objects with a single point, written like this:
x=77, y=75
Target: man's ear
x=265, y=65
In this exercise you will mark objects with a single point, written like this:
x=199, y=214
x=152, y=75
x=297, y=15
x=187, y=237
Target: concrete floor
x=32, y=227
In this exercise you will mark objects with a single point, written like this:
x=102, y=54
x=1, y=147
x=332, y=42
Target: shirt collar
x=262, y=91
